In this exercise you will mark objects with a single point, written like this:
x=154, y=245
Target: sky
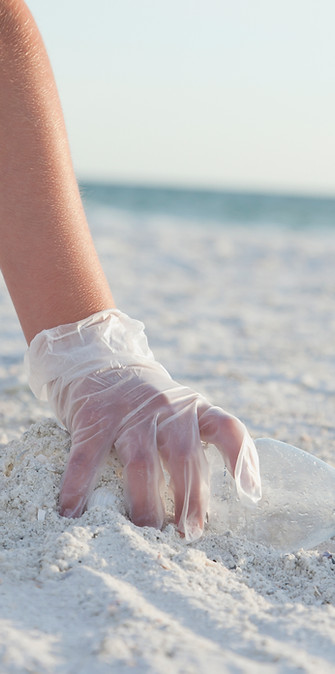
x=232, y=94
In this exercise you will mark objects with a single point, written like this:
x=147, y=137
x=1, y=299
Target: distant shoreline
x=221, y=206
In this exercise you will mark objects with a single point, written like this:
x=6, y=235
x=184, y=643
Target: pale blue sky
x=230, y=93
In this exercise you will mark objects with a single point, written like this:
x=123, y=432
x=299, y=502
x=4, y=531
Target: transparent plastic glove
x=103, y=383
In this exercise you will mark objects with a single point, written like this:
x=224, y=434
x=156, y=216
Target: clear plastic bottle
x=297, y=509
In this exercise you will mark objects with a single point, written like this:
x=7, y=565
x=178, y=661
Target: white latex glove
x=103, y=383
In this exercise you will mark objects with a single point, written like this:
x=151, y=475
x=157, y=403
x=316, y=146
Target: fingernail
x=192, y=531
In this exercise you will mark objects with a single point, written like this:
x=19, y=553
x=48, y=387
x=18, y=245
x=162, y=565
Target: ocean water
x=214, y=206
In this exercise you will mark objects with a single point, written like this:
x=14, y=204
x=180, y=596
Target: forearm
x=46, y=252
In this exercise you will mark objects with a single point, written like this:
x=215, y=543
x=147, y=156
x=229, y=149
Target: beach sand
x=245, y=316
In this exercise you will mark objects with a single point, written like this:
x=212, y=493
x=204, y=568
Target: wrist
x=106, y=339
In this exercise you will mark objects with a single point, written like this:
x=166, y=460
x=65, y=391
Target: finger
x=143, y=474
x=247, y=475
x=232, y=439
x=181, y=450
x=89, y=452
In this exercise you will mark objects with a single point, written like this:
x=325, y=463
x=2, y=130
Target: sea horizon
x=216, y=205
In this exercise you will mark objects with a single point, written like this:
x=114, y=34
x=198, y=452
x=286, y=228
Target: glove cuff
x=107, y=339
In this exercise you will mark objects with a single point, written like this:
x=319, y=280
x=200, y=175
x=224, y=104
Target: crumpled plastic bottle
x=297, y=509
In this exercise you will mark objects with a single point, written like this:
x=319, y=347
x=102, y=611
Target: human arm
x=92, y=362
x=47, y=255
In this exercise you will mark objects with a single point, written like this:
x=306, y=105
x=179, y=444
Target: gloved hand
x=103, y=383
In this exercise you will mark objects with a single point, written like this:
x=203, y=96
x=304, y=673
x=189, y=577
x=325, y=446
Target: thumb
x=232, y=439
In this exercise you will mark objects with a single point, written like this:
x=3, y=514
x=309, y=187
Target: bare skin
x=47, y=255
x=54, y=277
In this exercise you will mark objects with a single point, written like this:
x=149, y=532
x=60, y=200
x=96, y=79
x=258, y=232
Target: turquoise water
x=221, y=207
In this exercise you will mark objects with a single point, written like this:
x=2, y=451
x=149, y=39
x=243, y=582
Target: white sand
x=248, y=319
